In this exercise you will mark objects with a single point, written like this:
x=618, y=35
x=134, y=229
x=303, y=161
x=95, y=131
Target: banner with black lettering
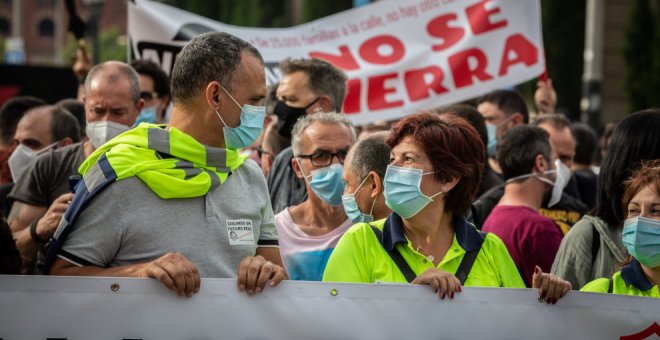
x=400, y=56
x=33, y=307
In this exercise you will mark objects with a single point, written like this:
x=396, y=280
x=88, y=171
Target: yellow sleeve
x=503, y=263
x=348, y=262
x=597, y=286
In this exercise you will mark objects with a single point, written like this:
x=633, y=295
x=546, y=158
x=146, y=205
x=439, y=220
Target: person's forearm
x=65, y=268
x=271, y=254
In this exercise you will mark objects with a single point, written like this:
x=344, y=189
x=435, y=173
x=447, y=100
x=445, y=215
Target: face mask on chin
x=562, y=176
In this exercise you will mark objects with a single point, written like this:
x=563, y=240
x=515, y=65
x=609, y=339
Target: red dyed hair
x=454, y=149
x=647, y=175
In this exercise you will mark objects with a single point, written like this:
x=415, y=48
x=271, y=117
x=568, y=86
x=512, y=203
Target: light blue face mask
x=248, y=130
x=327, y=183
x=147, y=115
x=402, y=192
x=641, y=236
x=353, y=211
x=492, y=140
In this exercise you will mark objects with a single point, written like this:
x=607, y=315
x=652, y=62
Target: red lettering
x=344, y=60
x=439, y=28
x=370, y=50
x=461, y=70
x=417, y=86
x=377, y=92
x=479, y=17
x=524, y=52
x=352, y=100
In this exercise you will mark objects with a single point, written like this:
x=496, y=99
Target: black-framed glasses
x=324, y=158
x=261, y=152
x=146, y=95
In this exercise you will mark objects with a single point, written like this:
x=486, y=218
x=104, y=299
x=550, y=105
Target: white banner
x=400, y=56
x=114, y=309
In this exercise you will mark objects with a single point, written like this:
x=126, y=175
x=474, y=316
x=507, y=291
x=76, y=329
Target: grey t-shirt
x=127, y=224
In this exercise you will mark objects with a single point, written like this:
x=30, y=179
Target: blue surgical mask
x=641, y=236
x=147, y=115
x=327, y=183
x=492, y=140
x=353, y=211
x=248, y=130
x=402, y=191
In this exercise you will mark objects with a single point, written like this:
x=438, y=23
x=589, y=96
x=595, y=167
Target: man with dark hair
x=526, y=159
x=112, y=102
x=490, y=179
x=10, y=113
x=307, y=86
x=364, y=170
x=77, y=109
x=41, y=129
x=180, y=203
x=154, y=90
x=585, y=153
x=502, y=110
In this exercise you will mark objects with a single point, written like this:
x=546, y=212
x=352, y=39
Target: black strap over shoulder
x=610, y=288
x=398, y=259
x=468, y=261
x=461, y=274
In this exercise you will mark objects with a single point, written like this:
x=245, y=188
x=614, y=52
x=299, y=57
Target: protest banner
x=48, y=307
x=400, y=56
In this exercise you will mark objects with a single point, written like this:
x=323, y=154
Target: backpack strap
x=595, y=245
x=468, y=261
x=398, y=259
x=610, y=288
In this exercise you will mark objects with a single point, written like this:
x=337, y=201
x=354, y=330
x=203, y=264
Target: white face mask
x=22, y=157
x=101, y=132
x=562, y=177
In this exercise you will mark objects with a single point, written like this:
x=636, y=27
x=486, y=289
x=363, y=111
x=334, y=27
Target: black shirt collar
x=466, y=234
x=632, y=274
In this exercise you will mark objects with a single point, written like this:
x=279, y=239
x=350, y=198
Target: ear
x=296, y=168
x=517, y=119
x=139, y=105
x=376, y=184
x=540, y=164
x=64, y=142
x=447, y=186
x=212, y=94
x=325, y=103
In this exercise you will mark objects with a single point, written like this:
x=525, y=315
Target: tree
x=640, y=56
x=112, y=46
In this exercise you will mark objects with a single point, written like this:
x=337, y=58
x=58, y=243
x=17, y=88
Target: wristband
x=33, y=233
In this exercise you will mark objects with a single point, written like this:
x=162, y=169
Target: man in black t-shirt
x=42, y=195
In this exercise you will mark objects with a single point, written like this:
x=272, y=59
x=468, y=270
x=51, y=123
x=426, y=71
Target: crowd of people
x=209, y=173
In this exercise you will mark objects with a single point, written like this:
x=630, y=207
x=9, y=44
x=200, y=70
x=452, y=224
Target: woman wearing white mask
x=433, y=175
x=640, y=273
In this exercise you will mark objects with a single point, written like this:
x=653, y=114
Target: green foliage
x=112, y=46
x=314, y=9
x=250, y=13
x=642, y=57
x=563, y=38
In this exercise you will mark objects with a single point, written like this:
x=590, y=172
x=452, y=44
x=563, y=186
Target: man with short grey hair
x=180, y=203
x=309, y=231
x=364, y=171
x=308, y=86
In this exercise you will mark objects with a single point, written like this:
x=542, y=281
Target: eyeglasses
x=261, y=152
x=146, y=95
x=324, y=158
